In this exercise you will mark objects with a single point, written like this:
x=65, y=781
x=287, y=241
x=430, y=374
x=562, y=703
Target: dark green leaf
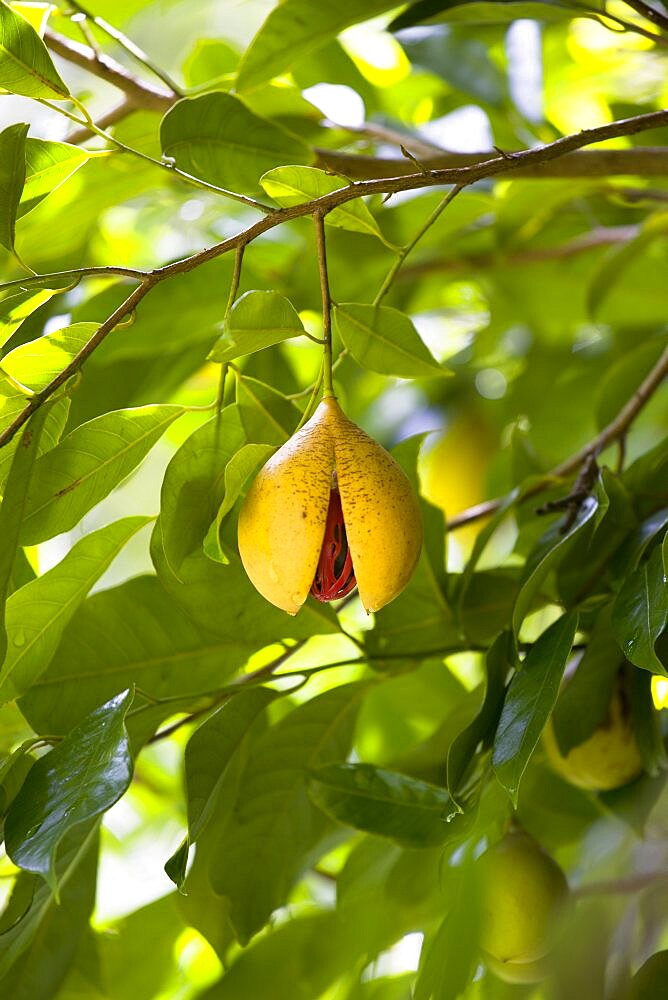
x=585, y=699
x=482, y=728
x=650, y=979
x=384, y=340
x=255, y=321
x=38, y=613
x=640, y=612
x=547, y=555
x=488, y=12
x=646, y=724
x=217, y=138
x=25, y=65
x=42, y=968
x=12, y=176
x=410, y=812
x=81, y=777
x=531, y=697
x=273, y=826
x=87, y=464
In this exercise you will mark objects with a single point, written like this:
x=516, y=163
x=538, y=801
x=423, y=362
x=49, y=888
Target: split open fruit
x=329, y=510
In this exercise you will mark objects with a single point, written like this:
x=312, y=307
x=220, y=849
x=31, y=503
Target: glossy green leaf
x=76, y=781
x=295, y=28
x=26, y=67
x=482, y=728
x=36, y=363
x=240, y=468
x=12, y=177
x=531, y=697
x=41, y=969
x=38, y=613
x=255, y=321
x=585, y=699
x=118, y=638
x=384, y=340
x=194, y=484
x=87, y=464
x=409, y=812
x=294, y=185
x=629, y=554
x=546, y=555
x=488, y=12
x=273, y=824
x=216, y=137
x=13, y=507
x=17, y=306
x=640, y=613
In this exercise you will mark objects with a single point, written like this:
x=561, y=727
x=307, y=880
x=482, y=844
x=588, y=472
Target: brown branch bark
x=646, y=162
x=461, y=177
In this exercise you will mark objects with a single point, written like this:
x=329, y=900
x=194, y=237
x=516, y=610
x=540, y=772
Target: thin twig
x=649, y=13
x=615, y=430
x=404, y=252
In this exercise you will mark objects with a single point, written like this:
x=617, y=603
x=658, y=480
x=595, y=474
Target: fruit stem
x=327, y=380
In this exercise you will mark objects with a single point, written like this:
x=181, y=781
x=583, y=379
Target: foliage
x=317, y=788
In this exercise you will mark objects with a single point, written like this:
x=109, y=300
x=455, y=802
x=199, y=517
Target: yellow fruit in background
x=525, y=893
x=518, y=972
x=609, y=758
x=329, y=509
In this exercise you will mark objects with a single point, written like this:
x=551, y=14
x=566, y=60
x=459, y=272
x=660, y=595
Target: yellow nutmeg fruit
x=607, y=759
x=329, y=509
x=525, y=893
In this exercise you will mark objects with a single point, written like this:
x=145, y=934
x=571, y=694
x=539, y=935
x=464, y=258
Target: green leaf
x=611, y=273
x=531, y=697
x=244, y=464
x=13, y=507
x=289, y=186
x=25, y=65
x=41, y=969
x=489, y=12
x=17, y=306
x=38, y=613
x=650, y=979
x=273, y=826
x=410, y=812
x=12, y=177
x=118, y=638
x=384, y=340
x=194, y=482
x=629, y=554
x=585, y=700
x=217, y=138
x=546, y=555
x=75, y=782
x=207, y=755
x=48, y=165
x=449, y=959
x=640, y=612
x=87, y=464
x=255, y=321
x=480, y=544
x=481, y=729
x=36, y=363
x=54, y=425
x=295, y=28
x=267, y=416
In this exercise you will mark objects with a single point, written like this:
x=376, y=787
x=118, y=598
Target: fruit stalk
x=319, y=222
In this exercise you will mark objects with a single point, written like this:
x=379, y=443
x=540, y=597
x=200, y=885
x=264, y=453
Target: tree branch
x=462, y=177
x=614, y=431
x=649, y=13
x=621, y=886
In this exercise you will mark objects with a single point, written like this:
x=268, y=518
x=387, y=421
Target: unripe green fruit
x=609, y=758
x=524, y=895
